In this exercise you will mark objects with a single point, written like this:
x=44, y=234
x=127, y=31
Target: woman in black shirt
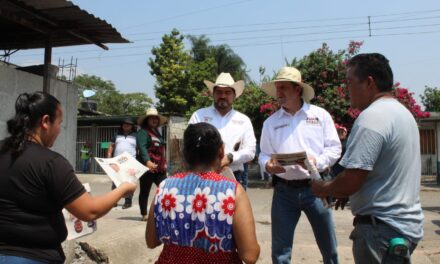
x=37, y=183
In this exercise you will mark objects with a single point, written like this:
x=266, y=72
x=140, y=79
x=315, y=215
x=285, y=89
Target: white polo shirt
x=310, y=129
x=234, y=127
x=124, y=143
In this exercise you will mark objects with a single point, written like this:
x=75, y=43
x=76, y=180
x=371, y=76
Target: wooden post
x=47, y=62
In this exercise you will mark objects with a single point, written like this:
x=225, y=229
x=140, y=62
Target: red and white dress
x=193, y=214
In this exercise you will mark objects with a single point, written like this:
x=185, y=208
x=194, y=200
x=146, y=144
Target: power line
x=287, y=42
x=289, y=22
x=188, y=13
x=270, y=36
x=325, y=32
x=250, y=25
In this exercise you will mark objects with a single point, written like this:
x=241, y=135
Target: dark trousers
x=145, y=183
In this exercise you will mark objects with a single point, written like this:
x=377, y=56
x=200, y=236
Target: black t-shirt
x=34, y=188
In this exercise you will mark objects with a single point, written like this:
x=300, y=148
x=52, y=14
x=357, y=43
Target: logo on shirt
x=312, y=121
x=237, y=122
x=207, y=119
x=280, y=126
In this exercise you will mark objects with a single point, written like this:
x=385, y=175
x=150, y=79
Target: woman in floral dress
x=201, y=216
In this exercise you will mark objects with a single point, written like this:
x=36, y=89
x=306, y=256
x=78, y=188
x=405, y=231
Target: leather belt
x=292, y=183
x=367, y=219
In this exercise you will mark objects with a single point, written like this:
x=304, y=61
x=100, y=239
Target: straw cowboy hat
x=152, y=112
x=289, y=74
x=225, y=80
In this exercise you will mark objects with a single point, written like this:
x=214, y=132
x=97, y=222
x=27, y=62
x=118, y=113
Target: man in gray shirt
x=383, y=168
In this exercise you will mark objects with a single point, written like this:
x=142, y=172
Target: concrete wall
x=14, y=82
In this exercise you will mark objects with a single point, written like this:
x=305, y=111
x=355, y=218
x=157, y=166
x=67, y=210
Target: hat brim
x=238, y=87
x=128, y=122
x=162, y=119
x=270, y=89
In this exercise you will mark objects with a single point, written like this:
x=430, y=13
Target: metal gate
x=428, y=151
x=97, y=136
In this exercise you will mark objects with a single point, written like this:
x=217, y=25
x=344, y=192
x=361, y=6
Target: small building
x=429, y=148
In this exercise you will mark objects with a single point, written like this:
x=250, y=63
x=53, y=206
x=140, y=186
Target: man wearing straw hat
x=296, y=127
x=234, y=127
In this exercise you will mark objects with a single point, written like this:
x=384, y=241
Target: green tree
x=109, y=100
x=136, y=103
x=170, y=67
x=226, y=60
x=431, y=99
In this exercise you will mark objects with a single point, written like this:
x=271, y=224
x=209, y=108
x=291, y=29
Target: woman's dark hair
x=29, y=109
x=201, y=144
x=127, y=121
x=376, y=66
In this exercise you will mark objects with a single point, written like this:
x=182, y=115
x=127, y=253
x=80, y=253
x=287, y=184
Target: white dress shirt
x=234, y=127
x=310, y=129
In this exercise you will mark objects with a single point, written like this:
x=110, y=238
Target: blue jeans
x=85, y=165
x=371, y=243
x=4, y=259
x=287, y=204
x=242, y=177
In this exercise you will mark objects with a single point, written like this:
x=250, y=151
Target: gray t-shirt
x=385, y=141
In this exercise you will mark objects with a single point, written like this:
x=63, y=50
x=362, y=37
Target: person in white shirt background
x=235, y=128
x=124, y=141
x=298, y=126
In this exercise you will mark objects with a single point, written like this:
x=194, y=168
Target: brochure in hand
x=75, y=227
x=122, y=168
x=287, y=159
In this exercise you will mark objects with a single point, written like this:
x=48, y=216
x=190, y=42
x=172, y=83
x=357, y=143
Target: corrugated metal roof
x=26, y=24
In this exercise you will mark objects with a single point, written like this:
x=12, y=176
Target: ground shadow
x=437, y=223
x=435, y=209
x=131, y=218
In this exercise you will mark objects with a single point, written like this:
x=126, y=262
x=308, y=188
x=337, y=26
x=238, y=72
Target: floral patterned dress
x=193, y=215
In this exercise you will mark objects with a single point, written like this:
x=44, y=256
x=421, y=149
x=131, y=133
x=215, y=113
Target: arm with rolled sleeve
x=332, y=145
x=266, y=148
x=248, y=145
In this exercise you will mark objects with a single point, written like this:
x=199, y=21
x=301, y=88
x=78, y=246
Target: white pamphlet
x=122, y=168
x=75, y=227
x=287, y=159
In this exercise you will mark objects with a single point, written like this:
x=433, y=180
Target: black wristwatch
x=230, y=157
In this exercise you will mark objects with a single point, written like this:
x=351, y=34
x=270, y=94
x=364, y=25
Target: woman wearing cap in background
x=151, y=146
x=201, y=216
x=124, y=141
x=36, y=183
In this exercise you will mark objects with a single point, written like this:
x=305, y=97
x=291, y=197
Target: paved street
x=120, y=234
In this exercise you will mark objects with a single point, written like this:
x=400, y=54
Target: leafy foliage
x=170, y=67
x=109, y=100
x=431, y=99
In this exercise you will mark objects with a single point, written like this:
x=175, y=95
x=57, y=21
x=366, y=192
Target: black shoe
x=126, y=205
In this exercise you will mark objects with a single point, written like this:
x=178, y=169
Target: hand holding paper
x=122, y=168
